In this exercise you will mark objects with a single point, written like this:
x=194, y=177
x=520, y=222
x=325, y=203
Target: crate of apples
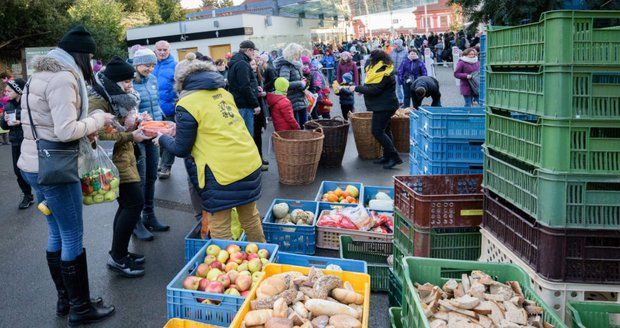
x=231, y=271
x=348, y=196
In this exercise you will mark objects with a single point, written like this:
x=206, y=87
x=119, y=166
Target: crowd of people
x=220, y=109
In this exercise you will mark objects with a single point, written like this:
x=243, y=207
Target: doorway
x=219, y=51
x=182, y=52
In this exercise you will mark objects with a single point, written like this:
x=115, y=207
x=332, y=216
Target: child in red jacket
x=281, y=108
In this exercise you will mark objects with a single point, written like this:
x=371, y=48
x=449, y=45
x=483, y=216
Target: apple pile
x=229, y=271
x=99, y=185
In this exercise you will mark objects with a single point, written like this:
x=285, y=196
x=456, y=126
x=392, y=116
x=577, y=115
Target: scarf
x=469, y=60
x=372, y=74
x=121, y=102
x=67, y=61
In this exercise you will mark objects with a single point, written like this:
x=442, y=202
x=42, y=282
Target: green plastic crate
x=584, y=147
x=594, y=314
x=438, y=271
x=395, y=317
x=397, y=265
x=375, y=254
x=559, y=38
x=395, y=291
x=446, y=243
x=557, y=92
x=555, y=200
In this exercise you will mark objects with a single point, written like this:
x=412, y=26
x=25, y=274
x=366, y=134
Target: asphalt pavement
x=28, y=297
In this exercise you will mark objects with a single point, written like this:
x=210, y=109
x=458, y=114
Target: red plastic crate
x=567, y=255
x=440, y=201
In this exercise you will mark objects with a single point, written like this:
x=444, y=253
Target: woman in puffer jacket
x=220, y=155
x=55, y=104
x=145, y=83
x=113, y=92
x=289, y=67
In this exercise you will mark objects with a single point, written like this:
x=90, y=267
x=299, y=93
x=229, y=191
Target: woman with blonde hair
x=289, y=66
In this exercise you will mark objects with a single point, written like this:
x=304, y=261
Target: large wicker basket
x=400, y=132
x=298, y=154
x=367, y=146
x=336, y=131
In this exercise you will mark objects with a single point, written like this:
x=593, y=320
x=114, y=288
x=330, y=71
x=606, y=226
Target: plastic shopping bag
x=235, y=225
x=99, y=177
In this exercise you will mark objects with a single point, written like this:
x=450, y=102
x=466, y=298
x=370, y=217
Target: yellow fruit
x=338, y=192
x=352, y=191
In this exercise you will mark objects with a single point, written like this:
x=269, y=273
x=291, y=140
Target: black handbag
x=58, y=161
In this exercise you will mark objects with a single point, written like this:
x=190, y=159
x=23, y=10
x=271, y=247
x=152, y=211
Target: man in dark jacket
x=11, y=120
x=425, y=86
x=240, y=82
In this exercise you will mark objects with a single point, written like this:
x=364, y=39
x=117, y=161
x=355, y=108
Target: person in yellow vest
x=220, y=155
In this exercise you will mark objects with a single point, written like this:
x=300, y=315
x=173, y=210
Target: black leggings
x=346, y=109
x=381, y=131
x=130, y=203
x=23, y=185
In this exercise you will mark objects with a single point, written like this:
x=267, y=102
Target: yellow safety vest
x=223, y=141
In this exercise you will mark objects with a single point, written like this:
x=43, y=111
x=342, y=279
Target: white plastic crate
x=556, y=294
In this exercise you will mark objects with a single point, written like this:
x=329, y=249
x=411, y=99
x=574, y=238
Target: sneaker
x=396, y=160
x=27, y=201
x=137, y=258
x=164, y=173
x=126, y=267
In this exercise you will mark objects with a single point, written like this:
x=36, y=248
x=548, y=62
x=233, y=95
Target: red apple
x=203, y=284
x=231, y=266
x=245, y=293
x=213, y=274
x=191, y=282
x=217, y=265
x=224, y=279
x=232, y=248
x=232, y=275
x=202, y=270
x=215, y=287
x=251, y=248
x=244, y=282
x=236, y=257
x=252, y=256
x=263, y=254
x=213, y=250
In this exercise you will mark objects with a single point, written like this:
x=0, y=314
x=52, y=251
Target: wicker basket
x=400, y=132
x=367, y=146
x=298, y=154
x=336, y=131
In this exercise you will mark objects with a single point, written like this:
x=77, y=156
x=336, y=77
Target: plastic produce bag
x=359, y=216
x=235, y=225
x=99, y=177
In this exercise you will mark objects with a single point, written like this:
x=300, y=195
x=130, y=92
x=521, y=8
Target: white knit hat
x=144, y=56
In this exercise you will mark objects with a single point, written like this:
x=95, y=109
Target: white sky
x=190, y=4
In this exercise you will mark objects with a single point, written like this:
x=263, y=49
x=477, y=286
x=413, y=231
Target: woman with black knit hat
x=55, y=114
x=11, y=120
x=113, y=92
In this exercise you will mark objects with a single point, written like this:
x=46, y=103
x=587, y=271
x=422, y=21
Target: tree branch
x=6, y=43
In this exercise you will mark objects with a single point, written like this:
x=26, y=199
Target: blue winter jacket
x=215, y=197
x=164, y=72
x=149, y=98
x=329, y=61
x=411, y=69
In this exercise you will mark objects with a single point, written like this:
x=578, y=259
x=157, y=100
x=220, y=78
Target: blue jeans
x=329, y=74
x=470, y=99
x=301, y=116
x=65, y=224
x=167, y=159
x=147, y=167
x=248, y=118
x=399, y=91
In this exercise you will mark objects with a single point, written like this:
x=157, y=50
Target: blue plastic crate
x=413, y=125
x=483, y=62
x=428, y=167
x=331, y=185
x=323, y=206
x=186, y=304
x=321, y=262
x=292, y=238
x=451, y=149
x=371, y=191
x=193, y=242
x=452, y=122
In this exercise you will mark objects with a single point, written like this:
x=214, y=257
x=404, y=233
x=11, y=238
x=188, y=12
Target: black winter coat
x=241, y=81
x=215, y=197
x=432, y=90
x=293, y=74
x=381, y=96
x=270, y=77
x=346, y=96
x=16, y=134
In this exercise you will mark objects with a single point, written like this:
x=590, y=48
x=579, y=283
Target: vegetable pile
x=357, y=218
x=479, y=301
x=348, y=196
x=151, y=128
x=292, y=299
x=295, y=217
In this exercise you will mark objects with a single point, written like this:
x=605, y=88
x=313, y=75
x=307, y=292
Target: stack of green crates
x=375, y=254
